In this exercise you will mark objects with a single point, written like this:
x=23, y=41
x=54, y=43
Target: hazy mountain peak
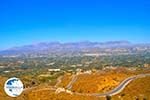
x=70, y=46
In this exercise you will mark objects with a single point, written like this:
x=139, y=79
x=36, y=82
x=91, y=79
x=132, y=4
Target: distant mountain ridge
x=71, y=46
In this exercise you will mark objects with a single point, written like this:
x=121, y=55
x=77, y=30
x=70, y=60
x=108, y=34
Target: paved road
x=74, y=78
x=115, y=91
x=119, y=88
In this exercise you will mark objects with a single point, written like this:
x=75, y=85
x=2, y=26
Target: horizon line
x=65, y=42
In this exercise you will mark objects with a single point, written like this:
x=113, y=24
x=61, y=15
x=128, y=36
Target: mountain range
x=55, y=47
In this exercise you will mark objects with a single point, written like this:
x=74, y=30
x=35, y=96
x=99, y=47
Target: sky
x=32, y=21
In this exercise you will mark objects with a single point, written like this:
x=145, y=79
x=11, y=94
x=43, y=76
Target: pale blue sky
x=31, y=21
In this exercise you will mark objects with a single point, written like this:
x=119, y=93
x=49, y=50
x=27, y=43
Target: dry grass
x=138, y=89
x=98, y=82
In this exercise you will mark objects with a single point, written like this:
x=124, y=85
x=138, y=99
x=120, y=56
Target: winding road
x=115, y=91
x=74, y=78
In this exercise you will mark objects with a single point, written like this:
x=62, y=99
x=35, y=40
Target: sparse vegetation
x=94, y=75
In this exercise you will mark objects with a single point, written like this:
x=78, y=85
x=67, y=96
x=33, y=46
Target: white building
x=54, y=70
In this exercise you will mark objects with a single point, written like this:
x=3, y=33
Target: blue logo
x=13, y=87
